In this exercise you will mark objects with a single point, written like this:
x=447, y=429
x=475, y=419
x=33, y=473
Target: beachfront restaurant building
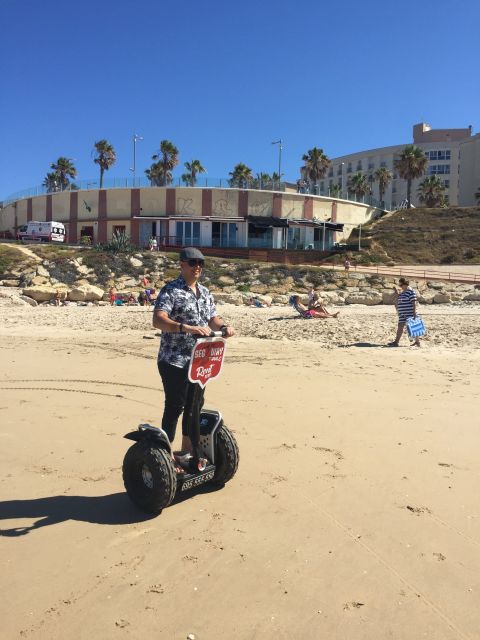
x=222, y=218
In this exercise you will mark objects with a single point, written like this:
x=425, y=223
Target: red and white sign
x=206, y=360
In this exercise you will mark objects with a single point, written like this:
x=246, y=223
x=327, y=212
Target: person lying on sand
x=305, y=312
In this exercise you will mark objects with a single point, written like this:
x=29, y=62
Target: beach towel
x=415, y=327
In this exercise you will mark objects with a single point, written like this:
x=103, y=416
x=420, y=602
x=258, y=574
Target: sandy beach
x=354, y=513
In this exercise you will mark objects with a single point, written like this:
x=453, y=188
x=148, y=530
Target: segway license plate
x=192, y=480
x=206, y=360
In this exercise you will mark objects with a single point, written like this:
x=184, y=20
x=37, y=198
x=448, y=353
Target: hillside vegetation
x=425, y=236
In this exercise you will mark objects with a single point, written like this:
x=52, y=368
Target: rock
x=426, y=297
x=441, y=298
x=259, y=288
x=131, y=282
x=225, y=280
x=40, y=293
x=435, y=285
x=473, y=297
x=369, y=298
x=39, y=280
x=86, y=293
x=11, y=283
x=280, y=299
x=83, y=269
x=135, y=262
x=41, y=271
x=388, y=297
x=232, y=298
x=331, y=297
x=30, y=301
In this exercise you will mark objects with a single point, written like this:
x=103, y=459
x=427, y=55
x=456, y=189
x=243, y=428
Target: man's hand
x=197, y=331
x=228, y=332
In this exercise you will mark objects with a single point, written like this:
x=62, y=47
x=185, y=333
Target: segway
x=149, y=474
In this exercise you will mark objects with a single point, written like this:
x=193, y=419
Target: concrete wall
x=469, y=179
x=106, y=208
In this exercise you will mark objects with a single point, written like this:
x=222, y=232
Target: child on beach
x=112, y=295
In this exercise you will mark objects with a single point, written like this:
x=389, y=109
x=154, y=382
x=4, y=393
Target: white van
x=42, y=231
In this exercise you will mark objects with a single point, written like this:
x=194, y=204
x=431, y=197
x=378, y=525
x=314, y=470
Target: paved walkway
x=469, y=274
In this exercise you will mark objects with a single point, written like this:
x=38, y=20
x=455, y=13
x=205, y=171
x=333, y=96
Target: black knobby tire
x=227, y=456
x=149, y=477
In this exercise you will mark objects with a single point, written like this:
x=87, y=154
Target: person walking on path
x=406, y=304
x=184, y=310
x=346, y=264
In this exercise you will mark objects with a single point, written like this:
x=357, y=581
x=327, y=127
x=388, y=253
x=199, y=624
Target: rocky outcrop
x=367, y=297
x=86, y=293
x=40, y=293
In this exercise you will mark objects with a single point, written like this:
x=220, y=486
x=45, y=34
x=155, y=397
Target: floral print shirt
x=181, y=304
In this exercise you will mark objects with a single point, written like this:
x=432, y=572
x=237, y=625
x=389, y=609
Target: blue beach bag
x=415, y=327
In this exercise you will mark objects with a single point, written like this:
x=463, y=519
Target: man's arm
x=216, y=324
x=167, y=325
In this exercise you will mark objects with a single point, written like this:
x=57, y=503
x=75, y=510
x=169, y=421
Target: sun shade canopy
x=271, y=221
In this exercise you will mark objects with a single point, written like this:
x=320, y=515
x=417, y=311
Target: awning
x=267, y=221
x=318, y=224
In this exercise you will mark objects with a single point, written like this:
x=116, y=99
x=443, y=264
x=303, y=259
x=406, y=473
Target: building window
x=330, y=173
x=446, y=184
x=383, y=164
x=359, y=165
x=438, y=169
x=187, y=233
x=349, y=167
x=441, y=154
x=339, y=170
x=119, y=229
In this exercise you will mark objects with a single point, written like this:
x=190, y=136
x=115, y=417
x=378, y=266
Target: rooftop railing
x=200, y=182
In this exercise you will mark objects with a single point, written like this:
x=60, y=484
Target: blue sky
x=222, y=80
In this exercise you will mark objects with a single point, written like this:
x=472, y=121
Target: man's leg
x=400, y=328
x=175, y=384
x=186, y=441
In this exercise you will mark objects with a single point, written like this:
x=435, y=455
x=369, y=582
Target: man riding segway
x=191, y=354
x=184, y=311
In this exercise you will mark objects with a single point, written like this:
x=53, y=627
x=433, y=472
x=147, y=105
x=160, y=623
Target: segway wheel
x=149, y=477
x=227, y=456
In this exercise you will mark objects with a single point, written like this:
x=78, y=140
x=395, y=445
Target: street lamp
x=280, y=147
x=135, y=139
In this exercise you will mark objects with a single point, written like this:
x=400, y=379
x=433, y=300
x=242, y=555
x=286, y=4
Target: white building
x=453, y=155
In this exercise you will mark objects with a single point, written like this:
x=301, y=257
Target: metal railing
x=201, y=182
x=144, y=182
x=410, y=272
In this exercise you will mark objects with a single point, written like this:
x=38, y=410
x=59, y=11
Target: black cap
x=190, y=253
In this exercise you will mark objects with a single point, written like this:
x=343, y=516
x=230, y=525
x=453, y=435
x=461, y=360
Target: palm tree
x=51, y=182
x=335, y=191
x=358, y=184
x=410, y=165
x=276, y=180
x=383, y=176
x=241, y=175
x=193, y=168
x=105, y=157
x=316, y=164
x=168, y=159
x=263, y=181
x=64, y=169
x=430, y=191
x=155, y=175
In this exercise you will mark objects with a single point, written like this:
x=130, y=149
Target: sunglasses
x=196, y=263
